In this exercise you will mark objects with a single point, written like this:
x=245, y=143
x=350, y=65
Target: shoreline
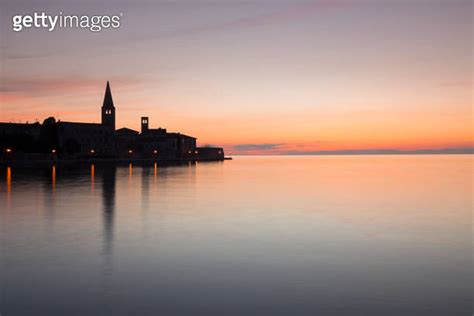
x=42, y=163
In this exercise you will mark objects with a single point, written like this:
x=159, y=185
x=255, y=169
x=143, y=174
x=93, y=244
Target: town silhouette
x=58, y=140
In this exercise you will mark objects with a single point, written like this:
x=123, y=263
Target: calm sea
x=316, y=235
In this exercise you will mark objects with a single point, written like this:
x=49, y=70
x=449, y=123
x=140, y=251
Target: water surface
x=318, y=235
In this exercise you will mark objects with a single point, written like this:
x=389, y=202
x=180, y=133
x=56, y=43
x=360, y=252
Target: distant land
x=442, y=151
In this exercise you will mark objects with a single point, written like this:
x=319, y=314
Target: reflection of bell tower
x=108, y=205
x=108, y=109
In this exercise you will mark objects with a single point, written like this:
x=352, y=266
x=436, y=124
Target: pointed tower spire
x=108, y=101
x=108, y=109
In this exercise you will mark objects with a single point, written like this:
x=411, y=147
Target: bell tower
x=144, y=124
x=108, y=109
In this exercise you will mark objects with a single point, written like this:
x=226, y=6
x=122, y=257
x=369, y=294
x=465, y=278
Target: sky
x=257, y=77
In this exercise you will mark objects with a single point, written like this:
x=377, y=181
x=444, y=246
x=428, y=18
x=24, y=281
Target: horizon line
x=361, y=152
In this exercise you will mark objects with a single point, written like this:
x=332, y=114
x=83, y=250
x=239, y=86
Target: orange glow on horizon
x=408, y=127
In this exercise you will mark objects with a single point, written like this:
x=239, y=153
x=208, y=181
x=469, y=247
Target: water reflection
x=108, y=204
x=9, y=179
x=49, y=196
x=257, y=236
x=53, y=178
x=9, y=185
x=145, y=183
x=130, y=174
x=92, y=177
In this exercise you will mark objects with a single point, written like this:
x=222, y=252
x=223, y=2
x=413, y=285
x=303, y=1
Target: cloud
x=26, y=99
x=294, y=12
x=54, y=86
x=23, y=56
x=255, y=147
x=296, y=149
x=456, y=150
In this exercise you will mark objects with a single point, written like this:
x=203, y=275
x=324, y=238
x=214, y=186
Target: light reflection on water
x=327, y=235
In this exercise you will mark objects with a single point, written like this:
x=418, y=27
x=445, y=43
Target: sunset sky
x=254, y=76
